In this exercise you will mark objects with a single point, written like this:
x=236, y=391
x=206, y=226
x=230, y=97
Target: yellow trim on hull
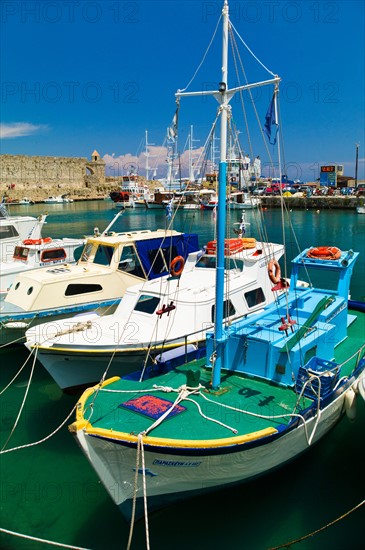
x=114, y=351
x=176, y=443
x=82, y=424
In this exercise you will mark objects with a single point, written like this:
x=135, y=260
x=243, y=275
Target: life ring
x=38, y=241
x=324, y=253
x=177, y=266
x=274, y=271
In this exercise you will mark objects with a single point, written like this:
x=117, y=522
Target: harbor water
x=49, y=490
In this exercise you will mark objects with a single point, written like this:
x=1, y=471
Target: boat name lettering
x=176, y=463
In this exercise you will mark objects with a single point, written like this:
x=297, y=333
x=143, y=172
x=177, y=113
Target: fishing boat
x=156, y=318
x=110, y=262
x=36, y=253
x=240, y=200
x=15, y=229
x=270, y=386
x=25, y=201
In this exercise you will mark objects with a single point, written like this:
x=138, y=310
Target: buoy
x=359, y=387
x=350, y=404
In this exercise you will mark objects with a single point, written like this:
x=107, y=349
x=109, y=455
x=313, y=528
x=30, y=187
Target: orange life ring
x=37, y=241
x=274, y=271
x=177, y=266
x=324, y=253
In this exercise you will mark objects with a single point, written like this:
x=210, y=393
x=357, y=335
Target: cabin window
x=7, y=231
x=229, y=263
x=255, y=297
x=30, y=290
x=86, y=252
x=146, y=304
x=75, y=289
x=228, y=310
x=54, y=254
x=17, y=286
x=129, y=262
x=103, y=255
x=20, y=253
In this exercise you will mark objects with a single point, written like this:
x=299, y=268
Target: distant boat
x=109, y=264
x=24, y=201
x=360, y=209
x=240, y=200
x=59, y=199
x=35, y=253
x=14, y=229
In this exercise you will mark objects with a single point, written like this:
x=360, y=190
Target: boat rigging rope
x=204, y=56
x=251, y=52
x=287, y=544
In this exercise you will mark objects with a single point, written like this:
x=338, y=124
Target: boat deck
x=131, y=407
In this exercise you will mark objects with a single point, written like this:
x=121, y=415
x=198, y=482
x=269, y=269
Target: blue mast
x=221, y=214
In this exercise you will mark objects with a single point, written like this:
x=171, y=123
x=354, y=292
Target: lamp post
x=356, y=162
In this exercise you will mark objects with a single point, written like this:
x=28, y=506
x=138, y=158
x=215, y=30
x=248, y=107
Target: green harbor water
x=49, y=490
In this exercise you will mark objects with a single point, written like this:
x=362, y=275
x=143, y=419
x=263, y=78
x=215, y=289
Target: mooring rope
x=17, y=374
x=44, y=541
x=288, y=544
x=22, y=405
x=40, y=440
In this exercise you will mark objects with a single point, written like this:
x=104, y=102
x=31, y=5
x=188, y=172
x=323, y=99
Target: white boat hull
x=171, y=476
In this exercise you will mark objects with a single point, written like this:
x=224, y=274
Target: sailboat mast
x=221, y=215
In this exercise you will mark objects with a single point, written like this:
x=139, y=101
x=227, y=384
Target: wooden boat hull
x=196, y=470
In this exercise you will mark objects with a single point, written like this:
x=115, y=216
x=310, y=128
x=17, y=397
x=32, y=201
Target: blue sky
x=85, y=75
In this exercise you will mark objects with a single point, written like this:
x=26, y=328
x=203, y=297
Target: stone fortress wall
x=38, y=177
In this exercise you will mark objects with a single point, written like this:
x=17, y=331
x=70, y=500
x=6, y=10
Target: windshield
x=210, y=261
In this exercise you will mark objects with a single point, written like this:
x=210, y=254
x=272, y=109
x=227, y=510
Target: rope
x=12, y=342
x=45, y=541
x=134, y=496
x=17, y=374
x=23, y=403
x=286, y=545
x=204, y=56
x=249, y=50
x=41, y=440
x=140, y=437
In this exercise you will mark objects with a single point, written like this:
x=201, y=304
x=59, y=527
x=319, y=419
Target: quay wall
x=314, y=203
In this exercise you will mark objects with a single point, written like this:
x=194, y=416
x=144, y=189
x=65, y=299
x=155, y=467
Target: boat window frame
x=11, y=232
x=231, y=312
x=55, y=259
x=258, y=297
x=18, y=253
x=143, y=299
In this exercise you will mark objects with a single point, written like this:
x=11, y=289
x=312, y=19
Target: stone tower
x=95, y=169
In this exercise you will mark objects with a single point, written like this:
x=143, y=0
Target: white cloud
x=19, y=129
x=118, y=165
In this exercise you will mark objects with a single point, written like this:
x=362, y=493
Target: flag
x=172, y=130
x=169, y=210
x=270, y=121
x=3, y=211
